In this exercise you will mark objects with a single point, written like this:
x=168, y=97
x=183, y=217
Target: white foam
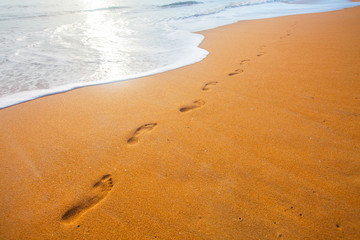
x=194, y=54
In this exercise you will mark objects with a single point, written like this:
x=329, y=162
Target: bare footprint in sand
x=242, y=62
x=237, y=71
x=194, y=105
x=206, y=86
x=140, y=131
x=260, y=54
x=288, y=34
x=98, y=192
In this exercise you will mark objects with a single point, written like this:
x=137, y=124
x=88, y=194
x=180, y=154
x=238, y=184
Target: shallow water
x=50, y=46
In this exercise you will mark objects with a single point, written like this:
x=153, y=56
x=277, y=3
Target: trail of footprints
x=101, y=188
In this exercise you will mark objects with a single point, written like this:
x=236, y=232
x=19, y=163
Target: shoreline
x=258, y=140
x=23, y=97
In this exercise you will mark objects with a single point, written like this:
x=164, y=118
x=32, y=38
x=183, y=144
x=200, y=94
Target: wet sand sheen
x=258, y=141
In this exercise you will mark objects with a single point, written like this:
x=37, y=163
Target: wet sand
x=261, y=140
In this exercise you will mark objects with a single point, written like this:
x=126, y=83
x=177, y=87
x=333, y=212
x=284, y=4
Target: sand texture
x=261, y=140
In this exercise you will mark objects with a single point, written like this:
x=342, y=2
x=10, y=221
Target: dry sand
x=258, y=141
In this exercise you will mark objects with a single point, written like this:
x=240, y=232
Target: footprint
x=140, y=131
x=260, y=54
x=194, y=105
x=206, y=86
x=242, y=62
x=98, y=192
x=237, y=71
x=288, y=34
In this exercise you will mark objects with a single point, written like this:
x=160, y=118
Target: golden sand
x=261, y=140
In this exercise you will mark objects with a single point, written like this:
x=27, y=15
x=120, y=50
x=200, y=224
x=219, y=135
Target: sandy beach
x=261, y=140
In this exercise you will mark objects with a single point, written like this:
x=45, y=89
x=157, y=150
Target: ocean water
x=51, y=46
